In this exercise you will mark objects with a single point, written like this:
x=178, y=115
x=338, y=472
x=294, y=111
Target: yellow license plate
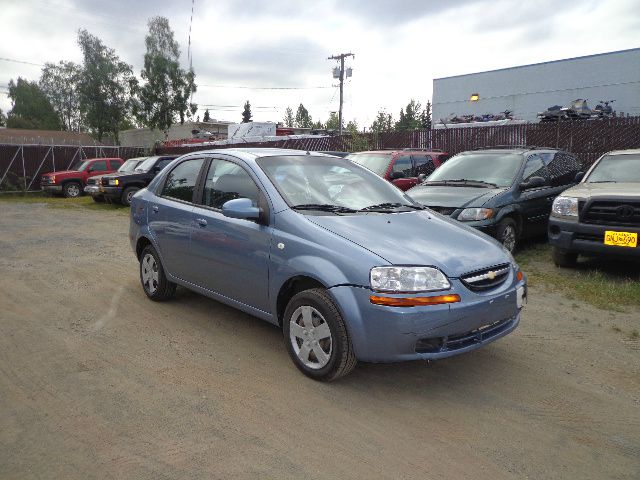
x=621, y=239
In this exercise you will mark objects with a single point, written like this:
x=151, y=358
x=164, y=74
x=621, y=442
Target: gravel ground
x=96, y=381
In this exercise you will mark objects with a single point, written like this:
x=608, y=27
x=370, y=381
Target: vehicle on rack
x=505, y=192
x=400, y=167
x=348, y=266
x=120, y=187
x=600, y=215
x=93, y=183
x=70, y=183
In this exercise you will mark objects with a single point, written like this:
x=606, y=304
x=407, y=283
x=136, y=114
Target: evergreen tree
x=383, y=122
x=246, y=113
x=288, y=118
x=333, y=123
x=206, y=117
x=303, y=119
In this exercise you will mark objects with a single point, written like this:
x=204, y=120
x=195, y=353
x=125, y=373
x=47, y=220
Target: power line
x=262, y=88
x=21, y=61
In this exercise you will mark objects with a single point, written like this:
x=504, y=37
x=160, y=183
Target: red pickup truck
x=70, y=183
x=401, y=167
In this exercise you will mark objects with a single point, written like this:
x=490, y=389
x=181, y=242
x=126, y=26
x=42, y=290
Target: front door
x=534, y=202
x=231, y=256
x=404, y=166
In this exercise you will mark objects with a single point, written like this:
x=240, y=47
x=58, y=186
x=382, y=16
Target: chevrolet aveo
x=345, y=263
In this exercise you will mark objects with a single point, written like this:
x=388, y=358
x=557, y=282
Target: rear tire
x=316, y=336
x=125, y=199
x=154, y=280
x=72, y=190
x=507, y=233
x=564, y=258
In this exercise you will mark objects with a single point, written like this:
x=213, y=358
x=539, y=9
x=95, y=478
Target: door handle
x=202, y=222
x=155, y=209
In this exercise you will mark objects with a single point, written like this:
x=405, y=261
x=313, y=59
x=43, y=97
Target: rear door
x=115, y=165
x=403, y=165
x=536, y=202
x=423, y=165
x=171, y=217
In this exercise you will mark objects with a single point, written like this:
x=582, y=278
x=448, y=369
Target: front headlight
x=407, y=279
x=471, y=214
x=565, y=207
x=114, y=182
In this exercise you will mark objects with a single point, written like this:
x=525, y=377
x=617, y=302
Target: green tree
x=303, y=119
x=425, y=116
x=246, y=113
x=359, y=141
x=409, y=117
x=3, y=118
x=59, y=82
x=288, y=118
x=333, y=123
x=383, y=122
x=207, y=116
x=167, y=89
x=105, y=88
x=30, y=107
x=318, y=125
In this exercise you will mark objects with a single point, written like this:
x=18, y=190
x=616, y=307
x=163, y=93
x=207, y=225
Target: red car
x=400, y=167
x=70, y=183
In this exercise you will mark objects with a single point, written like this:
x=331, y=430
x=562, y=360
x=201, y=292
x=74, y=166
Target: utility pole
x=341, y=57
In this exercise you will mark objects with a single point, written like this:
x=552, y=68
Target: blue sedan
x=348, y=266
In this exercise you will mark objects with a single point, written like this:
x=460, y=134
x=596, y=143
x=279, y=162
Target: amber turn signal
x=519, y=275
x=414, y=301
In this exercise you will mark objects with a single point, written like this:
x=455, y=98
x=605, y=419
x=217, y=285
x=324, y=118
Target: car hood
x=453, y=196
x=116, y=174
x=587, y=190
x=62, y=172
x=418, y=238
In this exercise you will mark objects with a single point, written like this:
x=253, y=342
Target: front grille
x=463, y=340
x=613, y=212
x=590, y=237
x=487, y=278
x=45, y=180
x=443, y=210
x=91, y=181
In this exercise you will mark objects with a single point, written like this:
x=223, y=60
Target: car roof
x=631, y=151
x=516, y=150
x=250, y=154
x=402, y=150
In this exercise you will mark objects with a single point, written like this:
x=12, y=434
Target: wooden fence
x=21, y=166
x=585, y=139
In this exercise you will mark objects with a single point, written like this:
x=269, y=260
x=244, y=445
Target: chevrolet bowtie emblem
x=491, y=274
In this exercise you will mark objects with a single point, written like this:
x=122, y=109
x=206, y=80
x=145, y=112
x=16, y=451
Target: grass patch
x=84, y=202
x=601, y=282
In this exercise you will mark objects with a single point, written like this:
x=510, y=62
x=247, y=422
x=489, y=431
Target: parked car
x=120, y=187
x=504, y=192
x=346, y=264
x=400, y=167
x=93, y=183
x=335, y=154
x=601, y=215
x=71, y=182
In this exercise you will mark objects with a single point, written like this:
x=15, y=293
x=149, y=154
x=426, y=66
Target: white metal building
x=529, y=89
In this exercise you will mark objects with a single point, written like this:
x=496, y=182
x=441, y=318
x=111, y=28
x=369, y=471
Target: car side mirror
x=422, y=177
x=534, y=182
x=579, y=176
x=241, y=208
x=155, y=170
x=397, y=175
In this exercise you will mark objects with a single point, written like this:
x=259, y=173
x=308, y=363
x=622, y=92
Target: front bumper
x=393, y=334
x=92, y=190
x=588, y=238
x=111, y=192
x=51, y=188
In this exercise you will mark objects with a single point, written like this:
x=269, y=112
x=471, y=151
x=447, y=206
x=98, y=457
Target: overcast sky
x=400, y=46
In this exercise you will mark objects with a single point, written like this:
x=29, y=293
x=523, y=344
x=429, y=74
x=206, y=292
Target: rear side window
x=227, y=181
x=563, y=169
x=403, y=164
x=115, y=164
x=424, y=165
x=98, y=166
x=181, y=181
x=163, y=163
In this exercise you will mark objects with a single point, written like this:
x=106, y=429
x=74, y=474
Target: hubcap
x=509, y=238
x=149, y=272
x=310, y=337
x=73, y=190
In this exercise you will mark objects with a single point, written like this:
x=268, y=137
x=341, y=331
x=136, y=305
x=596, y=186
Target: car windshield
x=131, y=164
x=616, y=168
x=147, y=164
x=80, y=166
x=332, y=184
x=497, y=169
x=376, y=162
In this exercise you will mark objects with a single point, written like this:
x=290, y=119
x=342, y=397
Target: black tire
x=564, y=258
x=72, y=190
x=98, y=199
x=157, y=289
x=507, y=233
x=128, y=192
x=342, y=358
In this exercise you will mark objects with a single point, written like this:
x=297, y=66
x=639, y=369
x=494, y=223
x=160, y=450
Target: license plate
x=621, y=239
x=521, y=297
x=102, y=189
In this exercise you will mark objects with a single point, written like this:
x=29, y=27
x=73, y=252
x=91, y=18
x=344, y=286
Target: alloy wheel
x=509, y=237
x=149, y=268
x=310, y=337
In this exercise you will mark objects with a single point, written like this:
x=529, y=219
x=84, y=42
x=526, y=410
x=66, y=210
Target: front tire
x=316, y=336
x=72, y=190
x=564, y=258
x=152, y=276
x=507, y=233
x=128, y=193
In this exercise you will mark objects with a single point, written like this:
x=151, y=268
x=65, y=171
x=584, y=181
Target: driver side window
x=535, y=167
x=402, y=165
x=227, y=181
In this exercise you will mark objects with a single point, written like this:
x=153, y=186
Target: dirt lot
x=98, y=382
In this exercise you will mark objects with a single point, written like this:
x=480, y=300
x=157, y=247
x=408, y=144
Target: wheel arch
x=141, y=244
x=515, y=215
x=292, y=287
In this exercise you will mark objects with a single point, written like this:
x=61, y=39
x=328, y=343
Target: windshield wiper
x=387, y=207
x=603, y=181
x=464, y=181
x=323, y=207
